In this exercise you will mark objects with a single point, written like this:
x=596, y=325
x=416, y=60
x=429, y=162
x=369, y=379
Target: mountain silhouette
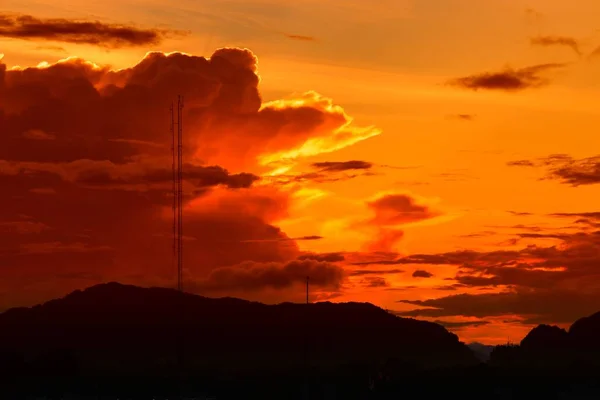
x=547, y=347
x=544, y=337
x=120, y=330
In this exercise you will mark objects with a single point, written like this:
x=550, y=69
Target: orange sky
x=435, y=180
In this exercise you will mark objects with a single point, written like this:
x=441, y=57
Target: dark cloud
x=373, y=282
x=362, y=272
x=558, y=283
x=299, y=238
x=566, y=41
x=566, y=169
x=508, y=80
x=520, y=213
x=323, y=257
x=300, y=37
x=326, y=171
x=20, y=26
x=591, y=215
x=250, y=276
x=461, y=325
x=549, y=306
x=520, y=163
x=421, y=274
x=337, y=166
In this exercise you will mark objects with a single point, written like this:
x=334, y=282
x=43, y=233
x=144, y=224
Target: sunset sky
x=438, y=158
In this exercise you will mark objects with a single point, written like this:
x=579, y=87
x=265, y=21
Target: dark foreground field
x=353, y=382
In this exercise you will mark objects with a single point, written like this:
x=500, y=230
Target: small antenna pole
x=307, y=278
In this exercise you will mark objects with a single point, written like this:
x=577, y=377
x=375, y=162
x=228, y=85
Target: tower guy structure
x=177, y=167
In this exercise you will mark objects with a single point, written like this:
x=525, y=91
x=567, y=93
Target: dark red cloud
x=566, y=169
x=373, y=282
x=419, y=273
x=337, y=166
x=508, y=80
x=323, y=257
x=27, y=27
x=461, y=325
x=85, y=155
x=362, y=272
x=566, y=41
x=250, y=276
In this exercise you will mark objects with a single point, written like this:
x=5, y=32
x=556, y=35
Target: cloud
x=520, y=163
x=374, y=282
x=397, y=209
x=27, y=27
x=421, y=274
x=326, y=171
x=250, y=276
x=462, y=117
x=536, y=307
x=595, y=53
x=323, y=257
x=103, y=186
x=554, y=284
x=594, y=215
x=339, y=166
x=391, y=211
x=362, y=272
x=556, y=41
x=462, y=324
x=300, y=37
x=509, y=79
x=566, y=169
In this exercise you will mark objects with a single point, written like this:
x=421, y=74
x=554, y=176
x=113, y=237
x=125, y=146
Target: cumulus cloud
x=510, y=79
x=27, y=27
x=102, y=181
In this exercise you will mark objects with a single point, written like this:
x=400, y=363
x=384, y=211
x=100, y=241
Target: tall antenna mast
x=177, y=168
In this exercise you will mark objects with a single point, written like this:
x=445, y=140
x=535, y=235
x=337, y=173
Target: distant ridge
x=116, y=326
